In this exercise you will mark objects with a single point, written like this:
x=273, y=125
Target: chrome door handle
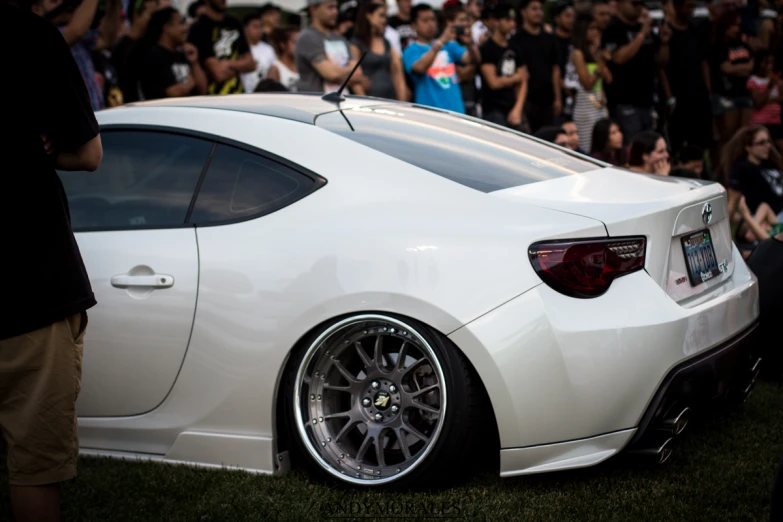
x=146, y=281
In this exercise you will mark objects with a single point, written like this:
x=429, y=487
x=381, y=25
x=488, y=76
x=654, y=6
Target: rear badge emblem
x=706, y=214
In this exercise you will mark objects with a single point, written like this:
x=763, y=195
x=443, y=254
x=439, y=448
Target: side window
x=146, y=180
x=240, y=184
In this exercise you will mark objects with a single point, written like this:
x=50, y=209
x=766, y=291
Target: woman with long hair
x=731, y=64
x=753, y=169
x=382, y=65
x=283, y=69
x=648, y=154
x=606, y=143
x=590, y=65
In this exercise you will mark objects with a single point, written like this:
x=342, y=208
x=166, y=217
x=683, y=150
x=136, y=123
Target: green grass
x=722, y=469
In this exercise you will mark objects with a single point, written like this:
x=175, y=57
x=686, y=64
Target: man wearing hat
x=323, y=57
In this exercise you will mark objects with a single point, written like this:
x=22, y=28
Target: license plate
x=700, y=257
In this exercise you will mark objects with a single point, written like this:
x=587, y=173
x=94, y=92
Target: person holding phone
x=432, y=63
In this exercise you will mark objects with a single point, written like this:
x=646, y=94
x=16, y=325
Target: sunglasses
x=637, y=3
x=765, y=141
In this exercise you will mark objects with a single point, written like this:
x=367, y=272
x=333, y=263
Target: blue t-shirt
x=439, y=87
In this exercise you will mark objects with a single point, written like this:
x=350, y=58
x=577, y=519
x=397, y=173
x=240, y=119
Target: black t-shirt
x=737, y=53
x=506, y=61
x=223, y=39
x=122, y=58
x=766, y=262
x=539, y=53
x=45, y=277
x=684, y=71
x=633, y=82
x=407, y=34
x=163, y=68
x=759, y=184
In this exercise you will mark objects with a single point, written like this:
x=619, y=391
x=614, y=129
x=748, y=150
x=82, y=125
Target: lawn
x=722, y=469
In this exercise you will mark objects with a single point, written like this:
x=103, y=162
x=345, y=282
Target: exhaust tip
x=658, y=454
x=676, y=424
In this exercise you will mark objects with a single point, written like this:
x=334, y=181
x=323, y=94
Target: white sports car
x=370, y=285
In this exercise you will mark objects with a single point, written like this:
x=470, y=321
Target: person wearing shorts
x=46, y=292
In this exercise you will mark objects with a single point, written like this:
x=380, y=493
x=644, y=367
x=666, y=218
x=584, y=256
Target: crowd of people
x=697, y=98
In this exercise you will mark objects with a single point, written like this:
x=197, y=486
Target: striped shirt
x=82, y=53
x=769, y=114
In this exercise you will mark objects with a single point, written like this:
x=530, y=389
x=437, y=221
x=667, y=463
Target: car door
x=129, y=219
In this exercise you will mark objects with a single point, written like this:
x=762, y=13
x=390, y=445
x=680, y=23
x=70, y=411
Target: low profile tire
x=376, y=400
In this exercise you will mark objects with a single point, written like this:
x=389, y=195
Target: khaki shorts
x=40, y=378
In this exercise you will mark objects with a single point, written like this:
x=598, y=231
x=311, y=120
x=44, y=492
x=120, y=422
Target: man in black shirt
x=169, y=72
x=636, y=53
x=684, y=80
x=125, y=56
x=503, y=86
x=564, y=16
x=48, y=126
x=766, y=262
x=538, y=51
x=401, y=22
x=222, y=49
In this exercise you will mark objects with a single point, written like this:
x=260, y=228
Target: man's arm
x=70, y=132
x=662, y=56
x=495, y=82
x=421, y=65
x=80, y=22
x=515, y=116
x=110, y=25
x=558, y=88
x=244, y=64
x=626, y=53
x=86, y=157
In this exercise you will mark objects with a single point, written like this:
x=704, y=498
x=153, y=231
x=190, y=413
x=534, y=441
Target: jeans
x=499, y=118
x=632, y=120
x=538, y=116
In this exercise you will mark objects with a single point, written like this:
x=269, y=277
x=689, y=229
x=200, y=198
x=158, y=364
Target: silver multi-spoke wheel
x=370, y=399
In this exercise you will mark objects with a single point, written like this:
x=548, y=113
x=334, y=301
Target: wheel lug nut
x=392, y=389
x=378, y=417
x=375, y=385
x=366, y=402
x=395, y=408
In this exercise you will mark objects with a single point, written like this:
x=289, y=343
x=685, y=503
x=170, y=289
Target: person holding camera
x=86, y=31
x=44, y=321
x=456, y=15
x=432, y=63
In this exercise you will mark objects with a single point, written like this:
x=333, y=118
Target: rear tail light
x=586, y=268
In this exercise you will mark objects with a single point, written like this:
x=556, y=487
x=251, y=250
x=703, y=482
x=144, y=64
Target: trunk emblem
x=706, y=213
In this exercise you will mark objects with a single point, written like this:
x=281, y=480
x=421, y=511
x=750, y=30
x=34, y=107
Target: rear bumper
x=571, y=381
x=722, y=372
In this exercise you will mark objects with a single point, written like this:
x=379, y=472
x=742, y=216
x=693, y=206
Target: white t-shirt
x=288, y=77
x=264, y=55
x=393, y=37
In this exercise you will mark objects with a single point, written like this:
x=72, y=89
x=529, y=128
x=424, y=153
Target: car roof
x=300, y=107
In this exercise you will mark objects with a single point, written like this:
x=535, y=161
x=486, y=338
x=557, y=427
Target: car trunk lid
x=664, y=210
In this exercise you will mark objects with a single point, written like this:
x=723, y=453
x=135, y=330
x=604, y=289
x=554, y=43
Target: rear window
x=461, y=149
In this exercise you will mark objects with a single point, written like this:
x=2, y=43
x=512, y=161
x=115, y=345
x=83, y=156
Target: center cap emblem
x=706, y=214
x=382, y=400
